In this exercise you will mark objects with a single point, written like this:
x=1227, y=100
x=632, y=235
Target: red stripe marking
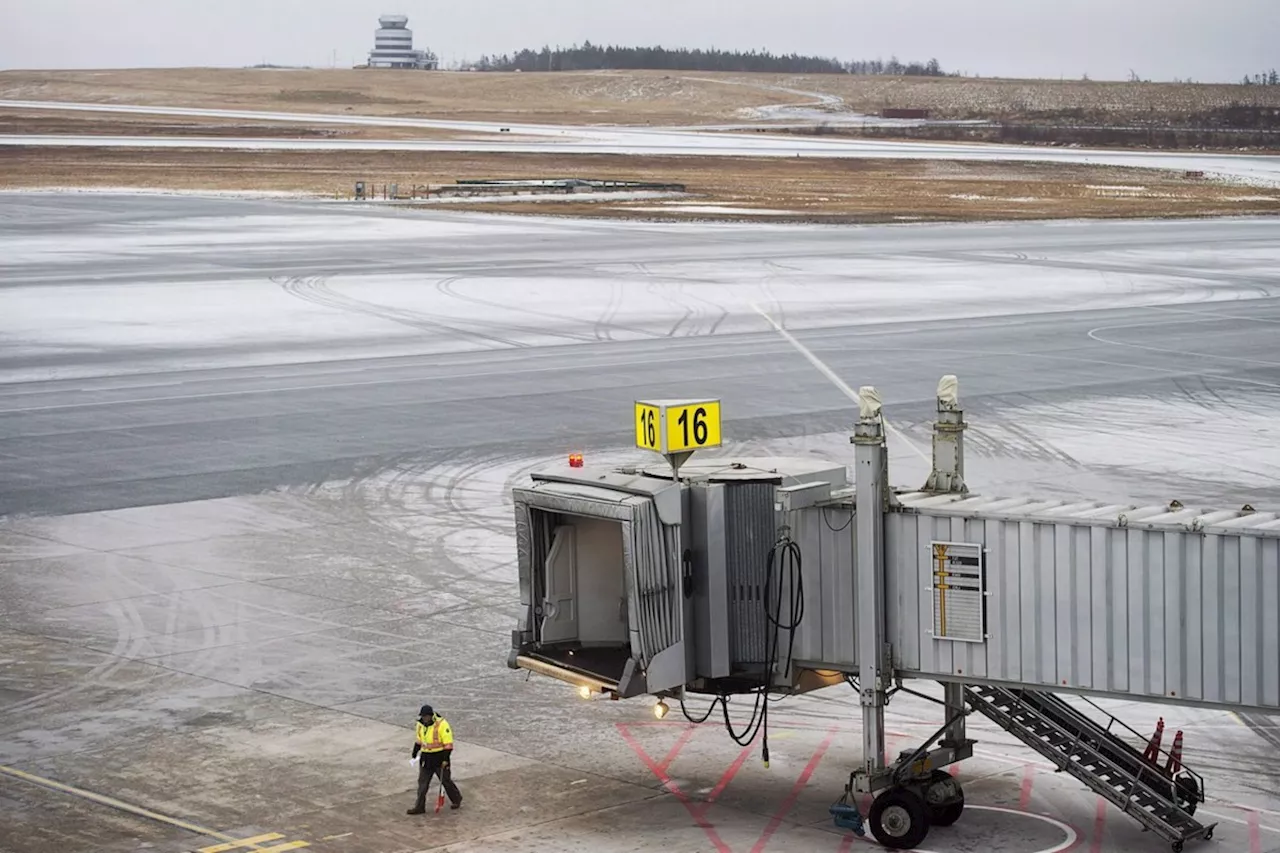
x=1099, y=825
x=790, y=726
x=1255, y=835
x=1028, y=780
x=790, y=801
x=727, y=777
x=671, y=786
x=681, y=741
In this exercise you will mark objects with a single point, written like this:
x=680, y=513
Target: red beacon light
x=575, y=460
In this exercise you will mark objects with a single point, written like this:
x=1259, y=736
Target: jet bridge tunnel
x=633, y=584
x=750, y=576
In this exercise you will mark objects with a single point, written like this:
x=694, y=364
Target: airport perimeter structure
x=780, y=576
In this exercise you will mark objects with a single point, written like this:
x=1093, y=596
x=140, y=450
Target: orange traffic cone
x=1152, y=752
x=1174, y=765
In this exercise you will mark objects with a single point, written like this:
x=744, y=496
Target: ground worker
x=431, y=754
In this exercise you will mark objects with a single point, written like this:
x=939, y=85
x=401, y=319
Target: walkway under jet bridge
x=783, y=576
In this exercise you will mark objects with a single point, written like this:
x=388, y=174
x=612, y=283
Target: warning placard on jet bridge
x=959, y=592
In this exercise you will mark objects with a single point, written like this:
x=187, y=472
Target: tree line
x=591, y=57
x=1271, y=78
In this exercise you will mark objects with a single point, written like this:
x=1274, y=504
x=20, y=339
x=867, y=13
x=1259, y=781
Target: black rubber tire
x=950, y=813
x=899, y=819
x=1188, y=792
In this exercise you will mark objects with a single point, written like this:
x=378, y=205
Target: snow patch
x=1019, y=199
x=549, y=197
x=1142, y=439
x=713, y=208
x=245, y=194
x=354, y=314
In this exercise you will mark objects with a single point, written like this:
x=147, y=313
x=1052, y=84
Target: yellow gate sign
x=677, y=426
x=648, y=424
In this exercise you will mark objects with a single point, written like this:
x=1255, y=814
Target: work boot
x=417, y=810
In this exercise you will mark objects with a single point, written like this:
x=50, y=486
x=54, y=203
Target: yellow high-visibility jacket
x=435, y=738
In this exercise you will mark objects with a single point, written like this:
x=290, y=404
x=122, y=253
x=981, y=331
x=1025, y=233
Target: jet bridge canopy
x=600, y=581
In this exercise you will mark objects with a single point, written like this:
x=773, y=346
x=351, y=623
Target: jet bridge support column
x=953, y=699
x=947, y=477
x=874, y=673
x=914, y=792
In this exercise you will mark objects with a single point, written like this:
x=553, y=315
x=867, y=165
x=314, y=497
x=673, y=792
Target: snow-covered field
x=562, y=301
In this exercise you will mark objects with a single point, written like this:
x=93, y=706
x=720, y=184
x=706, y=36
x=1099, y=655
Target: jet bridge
x=754, y=576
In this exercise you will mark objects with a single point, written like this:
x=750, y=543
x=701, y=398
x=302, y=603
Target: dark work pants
x=430, y=767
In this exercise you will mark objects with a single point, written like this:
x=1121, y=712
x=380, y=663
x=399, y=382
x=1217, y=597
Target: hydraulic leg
x=872, y=494
x=953, y=700
x=914, y=793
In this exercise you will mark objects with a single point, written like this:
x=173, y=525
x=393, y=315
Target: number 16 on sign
x=677, y=426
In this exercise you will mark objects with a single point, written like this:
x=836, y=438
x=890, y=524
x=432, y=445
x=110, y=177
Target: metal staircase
x=1100, y=758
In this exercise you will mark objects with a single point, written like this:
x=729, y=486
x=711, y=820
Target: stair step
x=1096, y=756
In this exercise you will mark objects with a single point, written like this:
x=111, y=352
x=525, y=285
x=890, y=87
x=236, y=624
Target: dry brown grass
x=621, y=97
x=956, y=97
x=36, y=122
x=825, y=190
x=579, y=98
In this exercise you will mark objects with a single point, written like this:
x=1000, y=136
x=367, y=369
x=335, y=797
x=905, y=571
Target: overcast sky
x=1205, y=40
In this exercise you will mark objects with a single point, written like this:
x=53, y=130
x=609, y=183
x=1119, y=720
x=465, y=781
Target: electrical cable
x=784, y=553
x=839, y=529
x=710, y=710
x=786, y=556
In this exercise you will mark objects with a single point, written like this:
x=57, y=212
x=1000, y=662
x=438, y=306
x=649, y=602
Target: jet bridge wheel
x=944, y=797
x=899, y=819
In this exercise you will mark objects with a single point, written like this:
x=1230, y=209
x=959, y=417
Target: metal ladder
x=1099, y=758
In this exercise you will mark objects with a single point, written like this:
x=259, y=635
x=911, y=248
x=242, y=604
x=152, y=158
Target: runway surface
x=1260, y=170
x=288, y=432
x=165, y=349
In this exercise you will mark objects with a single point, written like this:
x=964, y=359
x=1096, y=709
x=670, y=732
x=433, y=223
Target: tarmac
x=236, y=556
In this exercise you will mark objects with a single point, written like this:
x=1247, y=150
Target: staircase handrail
x=1160, y=750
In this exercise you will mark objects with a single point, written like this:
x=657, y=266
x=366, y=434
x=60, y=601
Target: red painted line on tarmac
x=1028, y=780
x=773, y=727
x=684, y=738
x=790, y=801
x=1255, y=834
x=727, y=777
x=1099, y=826
x=708, y=829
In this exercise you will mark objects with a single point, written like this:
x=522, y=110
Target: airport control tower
x=393, y=46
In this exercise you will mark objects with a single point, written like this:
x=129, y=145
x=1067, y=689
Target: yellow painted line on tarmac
x=242, y=843
x=231, y=842
x=254, y=844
